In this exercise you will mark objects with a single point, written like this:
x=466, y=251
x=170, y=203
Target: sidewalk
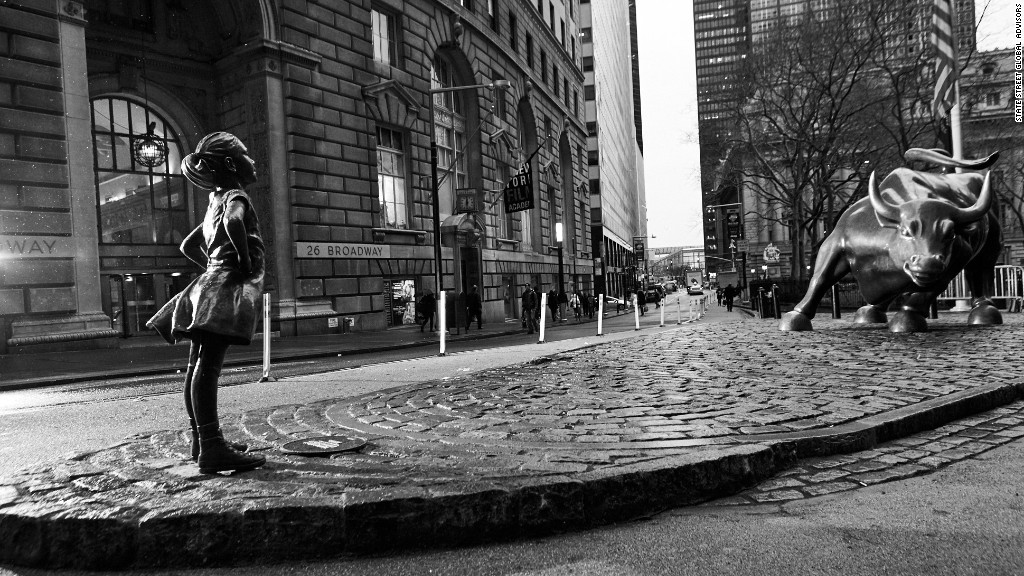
x=150, y=354
x=568, y=441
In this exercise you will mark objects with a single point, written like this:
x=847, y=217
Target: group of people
x=426, y=307
x=727, y=295
x=580, y=303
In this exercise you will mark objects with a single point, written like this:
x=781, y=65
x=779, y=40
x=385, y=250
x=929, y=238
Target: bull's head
x=927, y=231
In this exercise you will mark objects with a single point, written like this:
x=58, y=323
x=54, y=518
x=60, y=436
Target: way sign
x=323, y=445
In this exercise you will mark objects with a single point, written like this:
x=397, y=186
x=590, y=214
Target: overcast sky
x=668, y=86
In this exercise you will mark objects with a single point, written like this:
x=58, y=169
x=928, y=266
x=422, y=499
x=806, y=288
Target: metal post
x=636, y=313
x=775, y=301
x=543, y=313
x=836, y=313
x=442, y=320
x=662, y=316
x=266, y=340
x=679, y=311
x=600, y=313
x=760, y=300
x=561, y=282
x=435, y=202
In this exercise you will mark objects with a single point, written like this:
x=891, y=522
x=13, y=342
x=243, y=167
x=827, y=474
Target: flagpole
x=954, y=124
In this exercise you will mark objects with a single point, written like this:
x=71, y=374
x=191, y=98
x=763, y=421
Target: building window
x=137, y=204
x=450, y=135
x=493, y=12
x=385, y=37
x=588, y=92
x=565, y=91
x=993, y=99
x=500, y=109
x=513, y=32
x=391, y=189
x=562, y=24
x=575, y=102
x=572, y=43
x=592, y=157
x=529, y=51
x=588, y=63
x=504, y=221
x=585, y=34
x=540, y=7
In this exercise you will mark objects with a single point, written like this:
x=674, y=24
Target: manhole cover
x=322, y=445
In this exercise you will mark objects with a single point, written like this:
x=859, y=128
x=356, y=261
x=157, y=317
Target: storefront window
x=137, y=204
x=400, y=302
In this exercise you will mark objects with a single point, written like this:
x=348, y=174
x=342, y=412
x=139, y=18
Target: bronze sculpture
x=219, y=308
x=907, y=240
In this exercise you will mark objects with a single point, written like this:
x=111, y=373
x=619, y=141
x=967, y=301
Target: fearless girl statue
x=220, y=307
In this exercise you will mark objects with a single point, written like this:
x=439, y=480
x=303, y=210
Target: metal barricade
x=1008, y=286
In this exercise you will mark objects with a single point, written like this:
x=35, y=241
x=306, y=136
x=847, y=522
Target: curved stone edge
x=443, y=516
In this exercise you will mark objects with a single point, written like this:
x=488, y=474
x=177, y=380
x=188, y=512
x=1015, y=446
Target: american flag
x=945, y=58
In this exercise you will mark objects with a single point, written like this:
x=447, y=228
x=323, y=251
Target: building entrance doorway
x=510, y=296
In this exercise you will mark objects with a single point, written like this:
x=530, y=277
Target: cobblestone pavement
x=913, y=455
x=597, y=435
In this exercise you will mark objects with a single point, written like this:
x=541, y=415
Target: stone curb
x=280, y=529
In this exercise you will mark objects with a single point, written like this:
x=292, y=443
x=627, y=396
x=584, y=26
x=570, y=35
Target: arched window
x=138, y=204
x=450, y=135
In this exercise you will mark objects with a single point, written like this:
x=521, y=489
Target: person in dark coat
x=553, y=304
x=641, y=302
x=529, y=301
x=221, y=306
x=474, y=309
x=426, y=307
x=728, y=294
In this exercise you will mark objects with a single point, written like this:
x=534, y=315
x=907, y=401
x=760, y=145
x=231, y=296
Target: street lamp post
x=435, y=184
x=561, y=284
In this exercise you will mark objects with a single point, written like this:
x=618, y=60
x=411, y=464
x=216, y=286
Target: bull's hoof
x=908, y=321
x=984, y=315
x=795, y=322
x=869, y=315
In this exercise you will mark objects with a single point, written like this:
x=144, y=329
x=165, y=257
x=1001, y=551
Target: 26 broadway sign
x=519, y=190
x=35, y=247
x=339, y=250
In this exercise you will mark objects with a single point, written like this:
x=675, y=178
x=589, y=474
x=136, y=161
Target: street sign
x=742, y=244
x=323, y=445
x=518, y=193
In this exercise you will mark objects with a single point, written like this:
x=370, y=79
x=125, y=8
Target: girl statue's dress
x=220, y=307
x=222, y=300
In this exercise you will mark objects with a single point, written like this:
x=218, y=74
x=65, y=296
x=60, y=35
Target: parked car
x=613, y=303
x=670, y=287
x=654, y=293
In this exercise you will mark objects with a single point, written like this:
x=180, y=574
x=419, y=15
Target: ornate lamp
x=149, y=150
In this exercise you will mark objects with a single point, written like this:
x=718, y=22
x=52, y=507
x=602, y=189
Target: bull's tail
x=941, y=158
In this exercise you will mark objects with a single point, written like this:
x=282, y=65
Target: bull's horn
x=941, y=158
x=980, y=208
x=881, y=206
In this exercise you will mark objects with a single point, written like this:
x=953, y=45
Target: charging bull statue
x=907, y=240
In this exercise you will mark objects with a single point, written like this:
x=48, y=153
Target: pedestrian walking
x=220, y=307
x=553, y=305
x=589, y=302
x=576, y=304
x=718, y=294
x=641, y=302
x=563, y=305
x=529, y=302
x=728, y=295
x=425, y=308
x=474, y=309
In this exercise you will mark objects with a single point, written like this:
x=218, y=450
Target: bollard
x=679, y=311
x=835, y=302
x=543, y=313
x=600, y=313
x=636, y=313
x=775, y=301
x=760, y=301
x=266, y=340
x=662, y=316
x=689, y=309
x=442, y=320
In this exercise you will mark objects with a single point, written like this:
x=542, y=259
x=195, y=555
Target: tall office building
x=614, y=158
x=339, y=103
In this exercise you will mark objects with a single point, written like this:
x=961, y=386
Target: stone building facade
x=334, y=101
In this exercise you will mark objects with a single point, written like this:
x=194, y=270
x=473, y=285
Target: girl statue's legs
x=215, y=455
x=193, y=359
